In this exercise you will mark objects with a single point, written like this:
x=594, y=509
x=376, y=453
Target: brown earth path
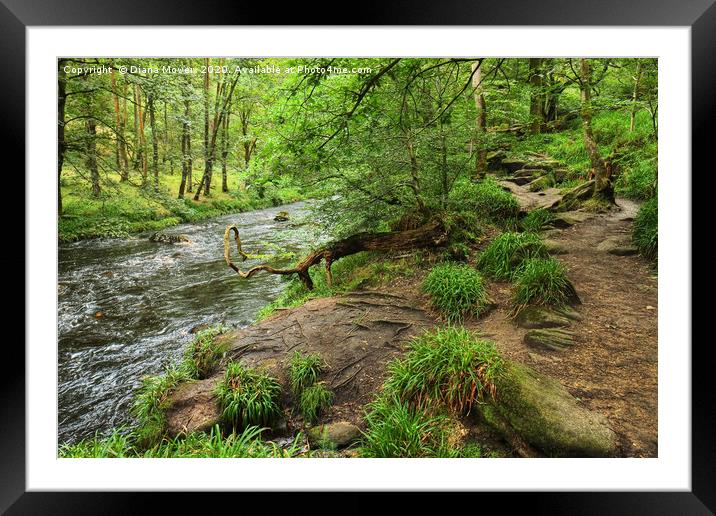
x=612, y=368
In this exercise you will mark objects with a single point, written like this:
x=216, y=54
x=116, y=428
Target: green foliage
x=205, y=351
x=542, y=281
x=646, y=229
x=117, y=445
x=503, y=257
x=248, y=397
x=313, y=400
x=394, y=429
x=486, y=199
x=152, y=400
x=448, y=366
x=304, y=370
x=245, y=444
x=456, y=290
x=536, y=220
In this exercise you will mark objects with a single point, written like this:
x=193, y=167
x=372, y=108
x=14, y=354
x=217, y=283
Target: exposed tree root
x=432, y=234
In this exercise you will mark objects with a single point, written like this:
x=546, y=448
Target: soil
x=612, y=368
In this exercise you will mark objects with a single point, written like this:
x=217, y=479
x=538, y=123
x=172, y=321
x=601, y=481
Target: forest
x=357, y=257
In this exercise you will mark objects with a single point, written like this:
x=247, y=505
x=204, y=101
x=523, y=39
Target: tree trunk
x=61, y=145
x=124, y=174
x=155, y=142
x=602, y=183
x=224, y=152
x=432, y=234
x=117, y=119
x=481, y=159
x=536, y=95
x=635, y=96
x=185, y=151
x=91, y=127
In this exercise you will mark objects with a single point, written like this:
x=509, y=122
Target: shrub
x=542, y=281
x=646, y=229
x=486, y=199
x=449, y=367
x=503, y=257
x=248, y=397
x=536, y=220
x=456, y=290
x=304, y=370
x=394, y=429
x=314, y=400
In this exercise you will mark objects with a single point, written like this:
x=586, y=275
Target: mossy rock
x=541, y=411
x=541, y=183
x=554, y=247
x=556, y=339
x=538, y=317
x=334, y=435
x=281, y=216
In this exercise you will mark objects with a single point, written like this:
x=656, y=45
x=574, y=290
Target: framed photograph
x=384, y=256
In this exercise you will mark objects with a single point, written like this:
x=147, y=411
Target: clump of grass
x=449, y=367
x=303, y=371
x=486, y=199
x=314, y=400
x=248, y=397
x=117, y=445
x=205, y=351
x=456, y=290
x=503, y=257
x=152, y=400
x=394, y=429
x=646, y=229
x=536, y=220
x=543, y=282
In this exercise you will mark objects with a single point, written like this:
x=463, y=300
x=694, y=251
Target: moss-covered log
x=432, y=234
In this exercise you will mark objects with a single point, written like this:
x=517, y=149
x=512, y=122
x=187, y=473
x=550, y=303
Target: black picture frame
x=699, y=15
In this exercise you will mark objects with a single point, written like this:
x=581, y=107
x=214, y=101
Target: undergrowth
x=456, y=290
x=506, y=253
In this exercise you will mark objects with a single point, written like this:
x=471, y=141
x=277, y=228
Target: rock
x=568, y=312
x=560, y=174
x=540, y=183
x=512, y=165
x=168, y=239
x=569, y=218
x=339, y=434
x=281, y=216
x=541, y=411
x=538, y=317
x=193, y=407
x=618, y=245
x=199, y=327
x=494, y=160
x=557, y=339
x=554, y=247
x=531, y=173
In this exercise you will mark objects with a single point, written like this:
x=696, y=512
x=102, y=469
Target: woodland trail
x=612, y=368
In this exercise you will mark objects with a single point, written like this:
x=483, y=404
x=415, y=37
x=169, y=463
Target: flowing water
x=126, y=307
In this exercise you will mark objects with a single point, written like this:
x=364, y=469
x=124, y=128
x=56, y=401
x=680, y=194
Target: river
x=126, y=307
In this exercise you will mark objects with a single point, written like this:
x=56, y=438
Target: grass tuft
x=304, y=370
x=205, y=352
x=503, y=257
x=248, y=397
x=456, y=290
x=543, y=282
x=646, y=229
x=313, y=401
x=486, y=199
x=537, y=220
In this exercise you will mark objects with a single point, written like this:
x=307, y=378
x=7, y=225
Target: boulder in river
x=281, y=216
x=543, y=413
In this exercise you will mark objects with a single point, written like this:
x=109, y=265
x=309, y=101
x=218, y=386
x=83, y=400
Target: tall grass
x=205, y=352
x=646, y=229
x=313, y=401
x=248, y=397
x=486, y=199
x=303, y=371
x=543, y=282
x=537, y=220
x=503, y=257
x=456, y=290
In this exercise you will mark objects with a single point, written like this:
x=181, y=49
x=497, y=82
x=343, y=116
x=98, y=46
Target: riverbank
x=384, y=321
x=124, y=208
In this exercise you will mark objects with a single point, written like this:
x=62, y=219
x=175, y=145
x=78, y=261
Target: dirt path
x=612, y=368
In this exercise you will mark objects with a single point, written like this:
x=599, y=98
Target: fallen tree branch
x=432, y=234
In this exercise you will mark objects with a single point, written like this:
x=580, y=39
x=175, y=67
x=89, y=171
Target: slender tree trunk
x=91, y=150
x=185, y=157
x=536, y=96
x=155, y=141
x=137, y=138
x=602, y=183
x=444, y=179
x=124, y=174
x=414, y=171
x=117, y=120
x=635, y=96
x=481, y=160
x=61, y=146
x=224, y=153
